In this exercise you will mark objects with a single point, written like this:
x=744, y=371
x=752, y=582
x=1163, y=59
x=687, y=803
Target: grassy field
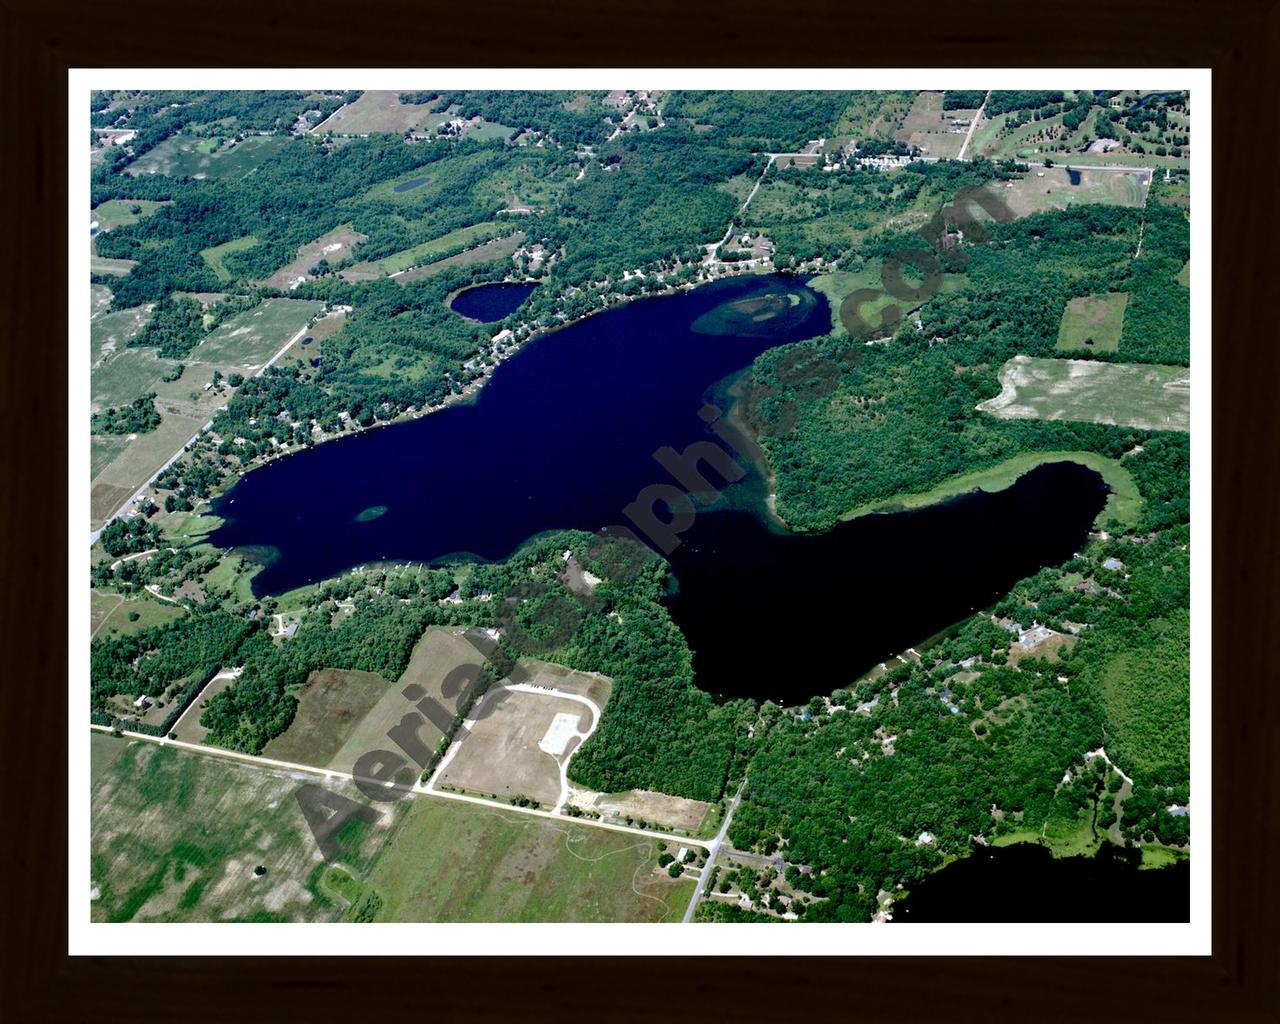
x=213, y=256
x=110, y=613
x=379, y=110
x=1129, y=394
x=103, y=751
x=118, y=213
x=242, y=344
x=451, y=861
x=107, y=265
x=1123, y=503
x=176, y=836
x=1184, y=275
x=423, y=253
x=311, y=345
x=247, y=341
x=438, y=652
x=496, y=249
x=1092, y=323
x=838, y=285
x=190, y=156
x=330, y=705
x=122, y=374
x=110, y=333
x=930, y=127
x=874, y=115
x=334, y=246
x=1050, y=188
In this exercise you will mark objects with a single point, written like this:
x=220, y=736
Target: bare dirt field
x=334, y=246
x=437, y=654
x=330, y=705
x=1142, y=395
x=673, y=812
x=377, y=110
x=586, y=684
x=517, y=745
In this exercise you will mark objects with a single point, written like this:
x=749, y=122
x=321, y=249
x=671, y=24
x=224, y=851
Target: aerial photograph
x=637, y=506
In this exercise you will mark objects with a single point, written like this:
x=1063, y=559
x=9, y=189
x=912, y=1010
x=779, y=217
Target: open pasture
x=215, y=254
x=516, y=745
x=379, y=110
x=110, y=333
x=933, y=129
x=333, y=247
x=109, y=265
x=848, y=315
x=119, y=213
x=247, y=341
x=437, y=654
x=1092, y=323
x=177, y=836
x=495, y=249
x=454, y=861
x=190, y=156
x=874, y=114
x=330, y=704
x=311, y=344
x=424, y=252
x=1143, y=395
x=1050, y=188
x=121, y=374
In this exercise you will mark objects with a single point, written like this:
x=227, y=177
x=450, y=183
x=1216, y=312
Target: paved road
x=713, y=848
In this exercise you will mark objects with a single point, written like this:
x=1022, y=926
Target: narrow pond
x=563, y=436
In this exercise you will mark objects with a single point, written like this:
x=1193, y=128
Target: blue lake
x=491, y=302
x=564, y=435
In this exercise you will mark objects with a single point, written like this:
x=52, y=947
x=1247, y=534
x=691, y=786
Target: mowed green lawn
x=454, y=861
x=176, y=836
x=1092, y=323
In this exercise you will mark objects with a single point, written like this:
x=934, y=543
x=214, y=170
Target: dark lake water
x=1073, y=176
x=563, y=436
x=491, y=302
x=1024, y=883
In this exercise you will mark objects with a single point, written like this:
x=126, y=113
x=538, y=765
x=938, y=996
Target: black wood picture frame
x=1238, y=39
